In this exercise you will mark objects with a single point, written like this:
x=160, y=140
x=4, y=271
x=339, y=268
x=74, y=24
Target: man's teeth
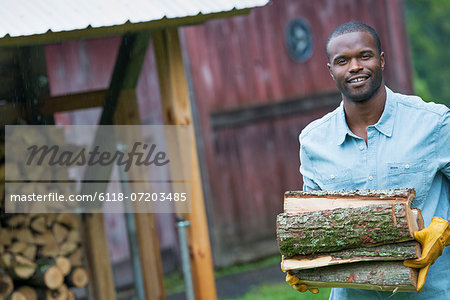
x=357, y=79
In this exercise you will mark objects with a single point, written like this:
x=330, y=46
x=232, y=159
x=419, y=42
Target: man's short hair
x=353, y=26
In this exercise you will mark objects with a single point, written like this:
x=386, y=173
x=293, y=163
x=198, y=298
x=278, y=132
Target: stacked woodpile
x=355, y=239
x=40, y=256
x=43, y=179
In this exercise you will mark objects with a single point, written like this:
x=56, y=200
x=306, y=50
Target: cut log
x=343, y=228
x=45, y=238
x=47, y=275
x=17, y=296
x=63, y=264
x=60, y=232
x=57, y=294
x=17, y=247
x=67, y=248
x=5, y=260
x=16, y=221
x=21, y=267
x=78, y=277
x=5, y=237
x=71, y=295
x=300, y=201
x=6, y=285
x=38, y=224
x=397, y=251
x=74, y=236
x=76, y=258
x=380, y=276
x=71, y=221
x=28, y=292
x=30, y=252
x=25, y=235
x=49, y=250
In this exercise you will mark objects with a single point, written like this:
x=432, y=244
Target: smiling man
x=378, y=139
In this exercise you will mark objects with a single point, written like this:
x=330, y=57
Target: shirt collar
x=384, y=125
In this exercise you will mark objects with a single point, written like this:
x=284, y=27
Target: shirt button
x=406, y=166
x=370, y=177
x=361, y=147
x=332, y=176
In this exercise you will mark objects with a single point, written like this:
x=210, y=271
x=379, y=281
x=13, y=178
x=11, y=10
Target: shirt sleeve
x=443, y=145
x=307, y=170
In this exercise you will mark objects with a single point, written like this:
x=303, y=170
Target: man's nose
x=355, y=66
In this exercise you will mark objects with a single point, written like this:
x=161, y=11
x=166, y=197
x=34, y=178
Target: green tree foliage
x=428, y=26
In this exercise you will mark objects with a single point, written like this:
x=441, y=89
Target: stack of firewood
x=40, y=256
x=40, y=180
x=355, y=239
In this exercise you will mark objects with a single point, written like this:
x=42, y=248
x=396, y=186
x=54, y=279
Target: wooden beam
x=51, y=105
x=101, y=284
x=33, y=69
x=9, y=112
x=276, y=110
x=177, y=111
x=125, y=75
x=126, y=71
x=127, y=113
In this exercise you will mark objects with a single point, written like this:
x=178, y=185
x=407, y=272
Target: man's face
x=355, y=65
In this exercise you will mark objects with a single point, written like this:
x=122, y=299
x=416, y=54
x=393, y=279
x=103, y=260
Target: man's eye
x=365, y=56
x=340, y=61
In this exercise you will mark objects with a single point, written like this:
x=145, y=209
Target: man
x=378, y=139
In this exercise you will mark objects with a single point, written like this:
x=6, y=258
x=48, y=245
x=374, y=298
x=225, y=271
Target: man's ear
x=382, y=60
x=329, y=70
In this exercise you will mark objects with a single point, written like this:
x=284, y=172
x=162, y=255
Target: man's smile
x=359, y=78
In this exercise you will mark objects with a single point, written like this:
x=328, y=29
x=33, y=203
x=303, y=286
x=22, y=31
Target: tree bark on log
x=397, y=251
x=380, y=276
x=343, y=228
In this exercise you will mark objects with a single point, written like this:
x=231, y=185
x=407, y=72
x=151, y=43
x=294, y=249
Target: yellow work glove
x=433, y=240
x=293, y=281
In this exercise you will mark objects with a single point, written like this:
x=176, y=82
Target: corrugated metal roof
x=27, y=18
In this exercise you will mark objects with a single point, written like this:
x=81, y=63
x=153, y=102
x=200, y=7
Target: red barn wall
x=250, y=100
x=240, y=69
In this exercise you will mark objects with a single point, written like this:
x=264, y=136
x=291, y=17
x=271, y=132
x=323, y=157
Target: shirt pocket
x=336, y=179
x=409, y=175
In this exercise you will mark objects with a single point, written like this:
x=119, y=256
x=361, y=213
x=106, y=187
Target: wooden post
x=35, y=82
x=127, y=113
x=125, y=76
x=177, y=111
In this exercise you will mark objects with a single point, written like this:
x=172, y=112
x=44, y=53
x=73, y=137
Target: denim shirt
x=409, y=147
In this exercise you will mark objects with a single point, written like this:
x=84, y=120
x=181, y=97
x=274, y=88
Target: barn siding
x=239, y=64
x=242, y=62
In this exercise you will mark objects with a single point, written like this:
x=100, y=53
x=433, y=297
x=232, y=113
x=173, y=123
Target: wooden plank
x=125, y=75
x=272, y=110
x=51, y=105
x=177, y=111
x=35, y=83
x=101, y=285
x=9, y=112
x=127, y=113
